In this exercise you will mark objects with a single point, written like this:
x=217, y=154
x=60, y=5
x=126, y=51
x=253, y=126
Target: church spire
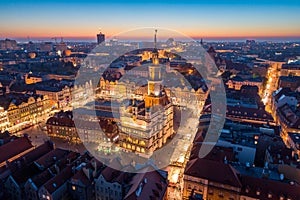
x=155, y=60
x=155, y=41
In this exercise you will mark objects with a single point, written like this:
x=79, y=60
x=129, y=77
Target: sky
x=195, y=18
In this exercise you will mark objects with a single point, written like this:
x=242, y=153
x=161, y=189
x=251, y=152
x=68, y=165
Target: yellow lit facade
x=4, y=123
x=31, y=111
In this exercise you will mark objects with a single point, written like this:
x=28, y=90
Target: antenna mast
x=155, y=38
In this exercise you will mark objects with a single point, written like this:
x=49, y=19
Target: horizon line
x=90, y=38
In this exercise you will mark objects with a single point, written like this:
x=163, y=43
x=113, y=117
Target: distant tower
x=100, y=38
x=201, y=42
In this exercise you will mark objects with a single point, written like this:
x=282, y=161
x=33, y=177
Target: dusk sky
x=207, y=19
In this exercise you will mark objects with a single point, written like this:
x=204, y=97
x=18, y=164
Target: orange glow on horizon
x=209, y=34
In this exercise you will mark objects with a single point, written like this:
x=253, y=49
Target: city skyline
x=211, y=20
x=156, y=100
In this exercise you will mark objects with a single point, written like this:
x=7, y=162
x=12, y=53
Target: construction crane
x=55, y=39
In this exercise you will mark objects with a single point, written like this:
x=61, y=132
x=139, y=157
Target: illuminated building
x=59, y=95
x=32, y=78
x=237, y=82
x=291, y=82
x=4, y=123
x=25, y=111
x=62, y=126
x=147, y=124
x=290, y=70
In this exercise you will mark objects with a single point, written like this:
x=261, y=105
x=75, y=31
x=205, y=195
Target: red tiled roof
x=51, y=157
x=81, y=176
x=113, y=175
x=218, y=153
x=31, y=156
x=243, y=112
x=56, y=182
x=288, y=116
x=147, y=186
x=14, y=148
x=214, y=171
x=260, y=188
x=42, y=178
x=63, y=121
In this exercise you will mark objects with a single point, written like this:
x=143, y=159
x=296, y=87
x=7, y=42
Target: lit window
x=73, y=187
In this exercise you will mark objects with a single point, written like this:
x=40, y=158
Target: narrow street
x=186, y=132
x=271, y=84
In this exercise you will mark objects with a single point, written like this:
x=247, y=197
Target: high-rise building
x=8, y=44
x=100, y=38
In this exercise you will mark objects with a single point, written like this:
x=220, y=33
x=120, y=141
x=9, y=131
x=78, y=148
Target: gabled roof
x=215, y=171
x=51, y=157
x=147, y=185
x=81, y=177
x=14, y=148
x=31, y=156
x=56, y=182
x=24, y=173
x=42, y=178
